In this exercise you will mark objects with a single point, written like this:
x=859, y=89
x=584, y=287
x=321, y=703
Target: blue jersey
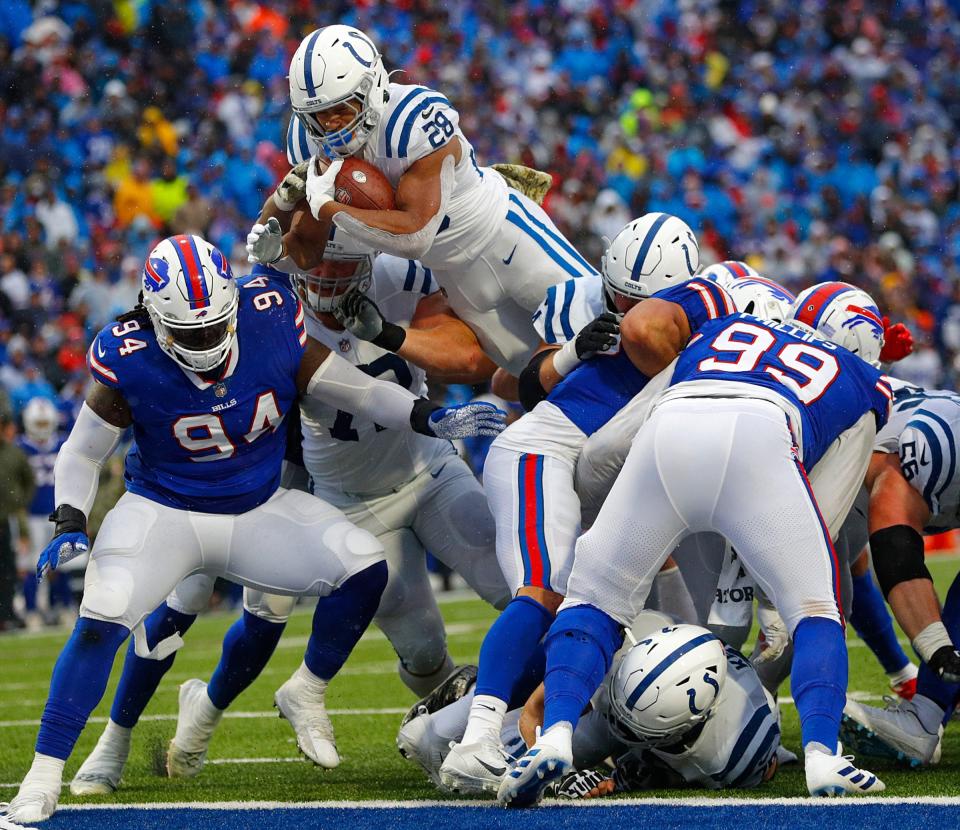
x=42, y=458
x=209, y=444
x=599, y=388
x=830, y=387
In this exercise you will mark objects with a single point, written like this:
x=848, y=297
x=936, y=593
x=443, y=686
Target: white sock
x=907, y=673
x=315, y=684
x=673, y=596
x=486, y=719
x=929, y=714
x=117, y=734
x=450, y=722
x=45, y=771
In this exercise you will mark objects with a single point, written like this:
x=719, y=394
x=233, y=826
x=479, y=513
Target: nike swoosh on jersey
x=509, y=258
x=427, y=112
x=101, y=352
x=434, y=475
x=492, y=769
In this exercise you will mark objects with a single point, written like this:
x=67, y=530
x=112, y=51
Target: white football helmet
x=40, y=419
x=651, y=253
x=666, y=684
x=728, y=272
x=346, y=264
x=842, y=314
x=332, y=66
x=191, y=296
x=761, y=297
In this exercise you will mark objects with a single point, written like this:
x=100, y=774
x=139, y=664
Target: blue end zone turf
x=744, y=815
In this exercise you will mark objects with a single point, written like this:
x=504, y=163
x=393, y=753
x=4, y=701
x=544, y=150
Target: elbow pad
x=897, y=556
x=406, y=245
x=76, y=473
x=530, y=389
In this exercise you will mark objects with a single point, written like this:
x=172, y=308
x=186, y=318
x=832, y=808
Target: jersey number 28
x=816, y=367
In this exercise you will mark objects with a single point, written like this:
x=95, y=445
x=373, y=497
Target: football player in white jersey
x=412, y=495
x=914, y=488
x=529, y=476
x=492, y=249
x=705, y=720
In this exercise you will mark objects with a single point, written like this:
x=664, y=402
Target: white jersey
x=568, y=307
x=924, y=429
x=733, y=749
x=350, y=454
x=416, y=122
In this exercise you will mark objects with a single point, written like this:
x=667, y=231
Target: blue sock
x=341, y=618
x=928, y=684
x=512, y=641
x=530, y=677
x=580, y=648
x=819, y=679
x=79, y=680
x=30, y=592
x=141, y=676
x=247, y=648
x=871, y=620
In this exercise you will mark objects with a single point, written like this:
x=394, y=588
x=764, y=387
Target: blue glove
x=61, y=549
x=467, y=420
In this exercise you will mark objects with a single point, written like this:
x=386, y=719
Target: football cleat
x=457, y=684
x=303, y=705
x=418, y=742
x=196, y=722
x=896, y=732
x=474, y=768
x=100, y=773
x=548, y=760
x=836, y=775
x=36, y=801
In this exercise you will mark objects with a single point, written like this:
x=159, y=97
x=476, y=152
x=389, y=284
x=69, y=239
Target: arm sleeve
x=344, y=386
x=76, y=474
x=838, y=475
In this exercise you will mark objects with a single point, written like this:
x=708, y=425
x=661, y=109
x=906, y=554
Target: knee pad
x=273, y=608
x=107, y=594
x=192, y=595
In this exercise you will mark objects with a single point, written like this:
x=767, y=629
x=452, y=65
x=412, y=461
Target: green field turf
x=371, y=699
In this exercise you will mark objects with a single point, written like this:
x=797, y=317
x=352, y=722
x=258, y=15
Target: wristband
x=282, y=204
x=565, y=359
x=68, y=520
x=391, y=337
x=931, y=639
x=420, y=414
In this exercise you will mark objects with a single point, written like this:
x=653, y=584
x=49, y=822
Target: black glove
x=578, y=784
x=599, y=335
x=945, y=664
x=359, y=315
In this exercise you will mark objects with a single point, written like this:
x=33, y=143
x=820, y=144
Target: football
x=362, y=185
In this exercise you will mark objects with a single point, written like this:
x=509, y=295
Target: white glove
x=321, y=186
x=774, y=635
x=292, y=189
x=265, y=242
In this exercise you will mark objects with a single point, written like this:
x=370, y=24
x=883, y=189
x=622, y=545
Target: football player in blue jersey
x=41, y=442
x=205, y=370
x=747, y=409
x=529, y=474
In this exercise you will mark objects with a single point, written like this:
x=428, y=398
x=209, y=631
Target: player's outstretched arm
x=653, y=333
x=100, y=425
x=898, y=514
x=437, y=340
x=329, y=377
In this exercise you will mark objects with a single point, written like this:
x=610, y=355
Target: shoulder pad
x=420, y=122
x=928, y=456
x=300, y=146
x=567, y=307
x=116, y=347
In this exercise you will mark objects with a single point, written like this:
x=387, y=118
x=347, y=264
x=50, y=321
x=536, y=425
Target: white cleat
x=474, y=768
x=32, y=804
x=418, y=742
x=548, y=760
x=896, y=732
x=836, y=775
x=303, y=705
x=196, y=722
x=100, y=773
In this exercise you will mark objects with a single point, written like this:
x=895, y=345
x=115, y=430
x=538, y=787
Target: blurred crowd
x=814, y=139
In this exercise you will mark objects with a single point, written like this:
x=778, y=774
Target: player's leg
x=299, y=544
x=149, y=657
x=142, y=551
x=769, y=514
x=247, y=648
x=537, y=517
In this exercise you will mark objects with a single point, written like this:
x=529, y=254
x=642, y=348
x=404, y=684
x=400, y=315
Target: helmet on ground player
x=844, y=315
x=40, y=418
x=728, y=272
x=761, y=297
x=346, y=264
x=333, y=66
x=666, y=685
x=651, y=253
x=191, y=297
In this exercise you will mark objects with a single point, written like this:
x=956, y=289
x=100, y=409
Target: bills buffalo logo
x=221, y=264
x=156, y=274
